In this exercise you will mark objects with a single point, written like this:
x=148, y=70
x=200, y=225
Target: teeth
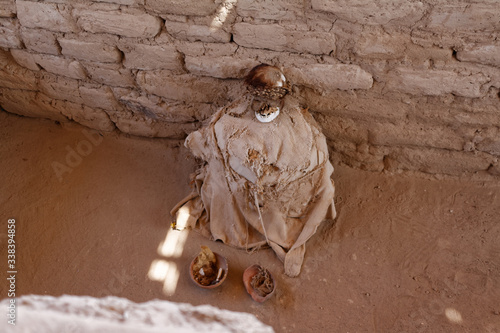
x=265, y=118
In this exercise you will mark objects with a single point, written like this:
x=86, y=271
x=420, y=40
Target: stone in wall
x=90, y=51
x=343, y=129
x=113, y=75
x=25, y=59
x=490, y=145
x=124, y=2
x=209, y=49
x=484, y=139
x=140, y=25
x=488, y=54
x=373, y=12
x=49, y=16
x=436, y=82
x=97, y=96
x=452, y=114
x=149, y=57
x=312, y=42
x=280, y=59
x=414, y=135
x=136, y=124
x=197, y=32
x=183, y=87
x=422, y=58
x=378, y=44
x=60, y=88
x=449, y=38
x=40, y=41
x=97, y=6
x=464, y=16
x=481, y=138
x=278, y=38
x=330, y=77
x=14, y=76
x=91, y=117
x=29, y=103
x=7, y=8
x=9, y=33
x=271, y=10
x=494, y=169
x=155, y=107
x=219, y=67
x=360, y=156
x=61, y=66
x=362, y=105
x=183, y=7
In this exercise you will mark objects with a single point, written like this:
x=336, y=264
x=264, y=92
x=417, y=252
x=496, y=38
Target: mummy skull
x=267, y=84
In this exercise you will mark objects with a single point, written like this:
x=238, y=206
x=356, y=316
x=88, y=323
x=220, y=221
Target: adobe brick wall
x=395, y=85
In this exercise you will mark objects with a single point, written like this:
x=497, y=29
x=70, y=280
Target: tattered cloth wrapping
x=262, y=183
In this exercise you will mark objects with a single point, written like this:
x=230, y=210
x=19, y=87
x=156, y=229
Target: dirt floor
x=406, y=253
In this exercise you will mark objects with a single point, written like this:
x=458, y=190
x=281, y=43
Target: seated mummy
x=266, y=177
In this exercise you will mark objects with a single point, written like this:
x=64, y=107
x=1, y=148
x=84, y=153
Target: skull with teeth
x=268, y=86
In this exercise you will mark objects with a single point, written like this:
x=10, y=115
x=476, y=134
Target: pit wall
x=395, y=85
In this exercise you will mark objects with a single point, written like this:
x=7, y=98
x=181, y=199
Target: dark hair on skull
x=267, y=81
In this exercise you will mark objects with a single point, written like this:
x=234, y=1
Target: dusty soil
x=406, y=253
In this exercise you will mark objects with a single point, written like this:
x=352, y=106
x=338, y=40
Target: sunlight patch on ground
x=453, y=315
x=183, y=218
x=165, y=270
x=173, y=245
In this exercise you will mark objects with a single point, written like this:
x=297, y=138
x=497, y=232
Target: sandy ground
x=406, y=253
